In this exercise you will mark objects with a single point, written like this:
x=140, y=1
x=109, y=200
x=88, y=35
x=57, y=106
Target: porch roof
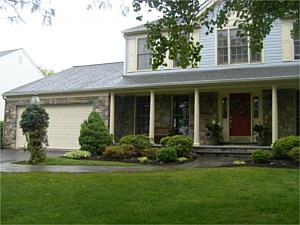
x=109, y=77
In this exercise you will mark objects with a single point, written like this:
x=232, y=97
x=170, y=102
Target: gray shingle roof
x=8, y=52
x=107, y=77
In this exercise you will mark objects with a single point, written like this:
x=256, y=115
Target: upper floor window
x=143, y=55
x=297, y=48
x=233, y=49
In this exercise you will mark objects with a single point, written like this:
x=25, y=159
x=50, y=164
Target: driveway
x=11, y=155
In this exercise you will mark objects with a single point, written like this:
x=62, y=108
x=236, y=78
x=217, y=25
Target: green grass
x=73, y=162
x=240, y=195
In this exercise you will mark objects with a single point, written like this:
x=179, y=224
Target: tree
x=34, y=123
x=94, y=136
x=180, y=18
x=46, y=72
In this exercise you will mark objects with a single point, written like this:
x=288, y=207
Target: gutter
x=156, y=85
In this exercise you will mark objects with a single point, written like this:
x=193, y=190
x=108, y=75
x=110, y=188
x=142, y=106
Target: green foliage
x=139, y=141
x=259, y=129
x=150, y=153
x=283, y=145
x=182, y=144
x=238, y=162
x=166, y=154
x=122, y=151
x=94, y=136
x=255, y=19
x=164, y=141
x=294, y=154
x=78, y=154
x=1, y=134
x=34, y=123
x=214, y=130
x=181, y=159
x=260, y=156
x=143, y=159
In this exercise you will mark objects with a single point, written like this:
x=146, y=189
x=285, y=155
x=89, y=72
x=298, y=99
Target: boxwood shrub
x=138, y=141
x=182, y=144
x=294, y=154
x=283, y=145
x=260, y=156
x=166, y=154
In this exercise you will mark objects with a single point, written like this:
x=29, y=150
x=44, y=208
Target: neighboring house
x=16, y=69
x=231, y=85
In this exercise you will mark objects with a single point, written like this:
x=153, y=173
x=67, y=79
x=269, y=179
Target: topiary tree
x=34, y=123
x=94, y=136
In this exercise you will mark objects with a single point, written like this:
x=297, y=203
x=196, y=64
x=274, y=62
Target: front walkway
x=11, y=155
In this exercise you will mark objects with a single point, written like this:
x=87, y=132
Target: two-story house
x=231, y=86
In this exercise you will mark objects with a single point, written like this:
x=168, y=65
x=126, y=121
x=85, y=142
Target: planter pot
x=213, y=140
x=260, y=141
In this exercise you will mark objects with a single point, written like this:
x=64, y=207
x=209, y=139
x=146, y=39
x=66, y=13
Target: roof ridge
x=98, y=64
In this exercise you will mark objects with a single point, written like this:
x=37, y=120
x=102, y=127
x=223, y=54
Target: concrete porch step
x=227, y=150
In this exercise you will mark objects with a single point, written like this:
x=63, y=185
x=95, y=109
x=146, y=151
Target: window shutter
x=132, y=55
x=286, y=41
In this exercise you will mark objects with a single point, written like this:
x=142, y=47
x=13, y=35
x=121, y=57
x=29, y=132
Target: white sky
x=77, y=36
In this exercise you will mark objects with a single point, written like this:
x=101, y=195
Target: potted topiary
x=214, y=132
x=259, y=129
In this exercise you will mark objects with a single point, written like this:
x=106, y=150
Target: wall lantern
x=255, y=107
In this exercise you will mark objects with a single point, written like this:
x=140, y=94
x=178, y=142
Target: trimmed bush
x=294, y=154
x=260, y=156
x=150, y=153
x=94, y=136
x=166, y=154
x=164, y=141
x=138, y=141
x=182, y=144
x=119, y=151
x=283, y=145
x=78, y=154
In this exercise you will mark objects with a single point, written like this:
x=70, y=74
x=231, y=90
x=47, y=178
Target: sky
x=77, y=36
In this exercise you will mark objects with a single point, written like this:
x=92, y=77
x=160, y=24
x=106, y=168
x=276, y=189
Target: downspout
x=3, y=128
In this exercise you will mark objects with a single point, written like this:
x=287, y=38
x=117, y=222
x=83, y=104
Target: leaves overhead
x=254, y=19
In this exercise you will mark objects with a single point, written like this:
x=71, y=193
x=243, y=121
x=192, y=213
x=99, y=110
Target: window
x=296, y=48
x=235, y=50
x=143, y=57
x=181, y=114
x=142, y=115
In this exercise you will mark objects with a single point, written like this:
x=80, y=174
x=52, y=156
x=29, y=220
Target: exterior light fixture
x=35, y=100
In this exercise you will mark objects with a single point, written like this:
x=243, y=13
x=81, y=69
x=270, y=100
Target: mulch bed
x=274, y=163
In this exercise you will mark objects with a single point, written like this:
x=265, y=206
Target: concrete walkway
x=11, y=155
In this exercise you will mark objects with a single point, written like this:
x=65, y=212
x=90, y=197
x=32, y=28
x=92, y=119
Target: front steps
x=228, y=150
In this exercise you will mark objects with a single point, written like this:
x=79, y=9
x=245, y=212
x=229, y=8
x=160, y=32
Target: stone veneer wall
x=286, y=112
x=100, y=105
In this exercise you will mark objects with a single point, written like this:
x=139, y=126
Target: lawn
x=76, y=162
x=212, y=196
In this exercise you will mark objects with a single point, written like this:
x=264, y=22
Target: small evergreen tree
x=94, y=136
x=34, y=123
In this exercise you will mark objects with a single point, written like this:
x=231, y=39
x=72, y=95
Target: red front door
x=240, y=114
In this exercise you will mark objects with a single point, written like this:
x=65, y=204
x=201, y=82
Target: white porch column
x=112, y=115
x=196, y=118
x=274, y=114
x=152, y=117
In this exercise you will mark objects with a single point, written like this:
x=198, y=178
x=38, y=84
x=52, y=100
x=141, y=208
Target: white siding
x=16, y=69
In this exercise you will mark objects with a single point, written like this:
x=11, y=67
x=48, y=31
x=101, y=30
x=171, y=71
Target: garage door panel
x=64, y=125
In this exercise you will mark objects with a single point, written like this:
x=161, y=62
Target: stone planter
x=260, y=141
x=213, y=141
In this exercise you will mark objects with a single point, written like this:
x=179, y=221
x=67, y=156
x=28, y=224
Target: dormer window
x=232, y=49
x=143, y=55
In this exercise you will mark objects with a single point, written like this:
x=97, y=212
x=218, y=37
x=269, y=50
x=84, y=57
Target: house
x=231, y=86
x=16, y=69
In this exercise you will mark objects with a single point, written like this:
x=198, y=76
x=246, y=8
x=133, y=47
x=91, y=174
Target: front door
x=240, y=114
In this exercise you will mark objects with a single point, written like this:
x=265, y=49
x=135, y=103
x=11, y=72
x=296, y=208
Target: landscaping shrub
x=182, y=144
x=78, y=154
x=94, y=136
x=166, y=154
x=138, y=141
x=294, y=154
x=34, y=123
x=119, y=151
x=1, y=134
x=283, y=145
x=164, y=141
x=150, y=153
x=260, y=156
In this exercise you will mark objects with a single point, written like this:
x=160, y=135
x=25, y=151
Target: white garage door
x=64, y=125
